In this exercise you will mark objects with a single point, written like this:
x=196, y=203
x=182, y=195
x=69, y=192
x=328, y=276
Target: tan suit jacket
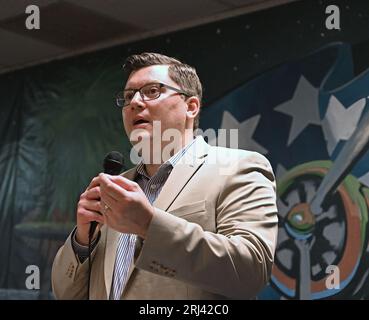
x=213, y=234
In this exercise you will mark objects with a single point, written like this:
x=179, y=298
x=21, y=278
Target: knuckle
x=110, y=187
x=80, y=206
x=82, y=202
x=81, y=213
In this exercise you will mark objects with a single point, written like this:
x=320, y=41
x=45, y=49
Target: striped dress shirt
x=151, y=186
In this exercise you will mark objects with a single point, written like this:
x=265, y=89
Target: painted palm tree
x=82, y=125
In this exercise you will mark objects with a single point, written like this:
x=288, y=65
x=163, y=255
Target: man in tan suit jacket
x=211, y=231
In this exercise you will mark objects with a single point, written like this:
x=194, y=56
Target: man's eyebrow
x=143, y=84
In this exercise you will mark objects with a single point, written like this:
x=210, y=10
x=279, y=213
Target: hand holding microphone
x=90, y=206
x=129, y=209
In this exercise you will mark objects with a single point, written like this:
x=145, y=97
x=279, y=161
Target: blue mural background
x=302, y=114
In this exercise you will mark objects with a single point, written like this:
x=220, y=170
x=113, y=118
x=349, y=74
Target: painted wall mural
x=310, y=118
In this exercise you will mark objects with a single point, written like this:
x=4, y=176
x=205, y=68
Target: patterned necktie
x=123, y=261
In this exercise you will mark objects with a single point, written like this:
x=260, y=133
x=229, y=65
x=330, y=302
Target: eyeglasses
x=150, y=91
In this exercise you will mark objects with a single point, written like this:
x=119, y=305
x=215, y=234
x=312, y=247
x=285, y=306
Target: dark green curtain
x=57, y=123
x=11, y=87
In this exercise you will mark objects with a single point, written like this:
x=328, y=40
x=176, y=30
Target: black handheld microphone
x=113, y=165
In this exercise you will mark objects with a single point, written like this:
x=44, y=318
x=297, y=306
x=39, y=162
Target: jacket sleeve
x=69, y=276
x=235, y=261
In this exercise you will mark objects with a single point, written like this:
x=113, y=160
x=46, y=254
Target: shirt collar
x=169, y=163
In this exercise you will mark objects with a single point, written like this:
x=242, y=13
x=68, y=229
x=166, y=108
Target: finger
x=112, y=189
x=93, y=194
x=94, y=182
x=121, y=181
x=106, y=199
x=93, y=205
x=89, y=216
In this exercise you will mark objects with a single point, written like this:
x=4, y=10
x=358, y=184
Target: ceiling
x=72, y=27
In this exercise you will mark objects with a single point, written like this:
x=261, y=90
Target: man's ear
x=193, y=107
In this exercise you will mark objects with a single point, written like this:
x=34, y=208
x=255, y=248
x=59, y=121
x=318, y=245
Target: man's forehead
x=145, y=75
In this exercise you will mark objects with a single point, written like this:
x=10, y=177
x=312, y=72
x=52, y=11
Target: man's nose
x=137, y=100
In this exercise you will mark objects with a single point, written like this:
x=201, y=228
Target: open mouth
x=140, y=121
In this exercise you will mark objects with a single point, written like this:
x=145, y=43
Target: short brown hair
x=182, y=74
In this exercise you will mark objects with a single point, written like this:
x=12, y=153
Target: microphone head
x=113, y=163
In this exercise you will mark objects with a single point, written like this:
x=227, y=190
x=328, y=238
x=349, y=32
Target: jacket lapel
x=112, y=238
x=182, y=173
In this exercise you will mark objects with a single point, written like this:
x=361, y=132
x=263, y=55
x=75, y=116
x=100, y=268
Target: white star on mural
x=303, y=108
x=339, y=122
x=246, y=130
